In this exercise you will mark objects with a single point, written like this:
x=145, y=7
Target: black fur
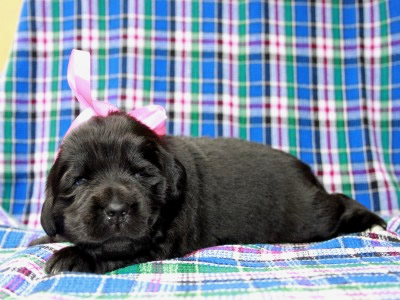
x=123, y=195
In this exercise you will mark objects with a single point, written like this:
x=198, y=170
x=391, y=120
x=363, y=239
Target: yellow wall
x=9, y=14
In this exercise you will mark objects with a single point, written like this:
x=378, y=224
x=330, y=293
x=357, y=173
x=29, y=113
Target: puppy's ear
x=178, y=172
x=150, y=151
x=174, y=171
x=157, y=153
x=47, y=218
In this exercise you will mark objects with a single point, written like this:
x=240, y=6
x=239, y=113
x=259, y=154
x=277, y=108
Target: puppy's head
x=110, y=180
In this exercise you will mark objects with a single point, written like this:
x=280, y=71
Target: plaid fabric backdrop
x=318, y=79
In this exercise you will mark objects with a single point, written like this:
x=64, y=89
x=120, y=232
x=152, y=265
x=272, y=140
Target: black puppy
x=123, y=195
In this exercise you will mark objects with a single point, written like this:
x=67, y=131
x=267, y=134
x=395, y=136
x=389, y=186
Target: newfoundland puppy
x=123, y=195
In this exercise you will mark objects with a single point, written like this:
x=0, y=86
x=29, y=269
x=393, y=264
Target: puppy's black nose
x=116, y=210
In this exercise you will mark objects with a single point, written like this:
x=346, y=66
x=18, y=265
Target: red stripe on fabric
x=213, y=41
x=323, y=173
x=299, y=107
x=326, y=95
x=30, y=161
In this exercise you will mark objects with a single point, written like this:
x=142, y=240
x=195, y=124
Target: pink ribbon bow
x=153, y=116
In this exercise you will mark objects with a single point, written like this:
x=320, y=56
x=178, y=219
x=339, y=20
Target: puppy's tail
x=356, y=217
x=337, y=214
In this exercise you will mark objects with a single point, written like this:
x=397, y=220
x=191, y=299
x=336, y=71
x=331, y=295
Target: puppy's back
x=247, y=192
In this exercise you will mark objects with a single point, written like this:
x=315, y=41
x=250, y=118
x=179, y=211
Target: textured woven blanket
x=362, y=266
x=318, y=79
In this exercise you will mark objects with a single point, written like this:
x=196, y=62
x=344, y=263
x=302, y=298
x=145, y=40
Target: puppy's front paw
x=42, y=240
x=46, y=240
x=70, y=259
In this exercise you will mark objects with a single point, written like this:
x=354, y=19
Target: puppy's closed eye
x=80, y=181
x=141, y=173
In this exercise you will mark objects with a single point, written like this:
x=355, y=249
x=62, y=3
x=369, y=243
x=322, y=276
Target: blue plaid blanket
x=318, y=79
x=359, y=266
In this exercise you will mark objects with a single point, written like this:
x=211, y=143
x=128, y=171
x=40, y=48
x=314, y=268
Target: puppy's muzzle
x=116, y=212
